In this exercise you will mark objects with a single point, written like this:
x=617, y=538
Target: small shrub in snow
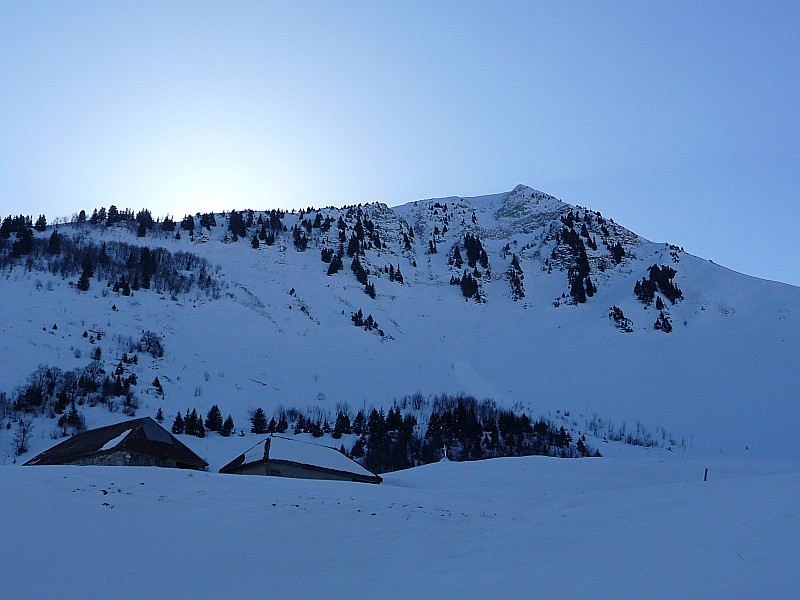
x=151, y=343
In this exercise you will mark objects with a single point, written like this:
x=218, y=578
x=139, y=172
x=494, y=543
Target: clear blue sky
x=678, y=119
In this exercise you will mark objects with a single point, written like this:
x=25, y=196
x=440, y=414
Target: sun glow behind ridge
x=202, y=180
x=195, y=165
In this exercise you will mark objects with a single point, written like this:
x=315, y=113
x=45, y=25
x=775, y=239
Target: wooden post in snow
x=705, y=475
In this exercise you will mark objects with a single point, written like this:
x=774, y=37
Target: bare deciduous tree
x=22, y=435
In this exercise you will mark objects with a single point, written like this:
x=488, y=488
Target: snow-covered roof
x=304, y=453
x=143, y=436
x=313, y=454
x=112, y=443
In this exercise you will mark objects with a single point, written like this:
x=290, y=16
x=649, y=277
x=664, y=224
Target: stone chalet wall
x=284, y=469
x=120, y=458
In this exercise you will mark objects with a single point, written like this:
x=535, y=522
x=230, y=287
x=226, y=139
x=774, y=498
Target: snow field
x=502, y=528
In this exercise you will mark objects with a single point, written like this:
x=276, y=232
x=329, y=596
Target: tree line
x=127, y=267
x=458, y=428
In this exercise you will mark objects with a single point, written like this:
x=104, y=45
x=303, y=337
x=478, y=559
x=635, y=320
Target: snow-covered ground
x=503, y=528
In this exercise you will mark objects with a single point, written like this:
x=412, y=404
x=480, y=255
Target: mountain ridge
x=276, y=330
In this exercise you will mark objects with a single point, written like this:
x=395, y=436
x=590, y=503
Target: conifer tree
x=300, y=239
x=74, y=419
x=193, y=422
x=581, y=447
x=663, y=323
x=358, y=448
x=227, y=427
x=336, y=264
x=86, y=275
x=617, y=251
x=353, y=246
x=24, y=243
x=458, y=262
x=341, y=426
x=214, y=419
x=359, y=271
x=282, y=425
x=54, y=245
x=258, y=421
x=178, y=425
x=469, y=286
x=359, y=423
x=591, y=288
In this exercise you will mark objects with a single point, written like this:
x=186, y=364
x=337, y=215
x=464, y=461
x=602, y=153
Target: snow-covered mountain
x=518, y=297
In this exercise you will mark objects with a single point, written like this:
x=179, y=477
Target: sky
x=680, y=120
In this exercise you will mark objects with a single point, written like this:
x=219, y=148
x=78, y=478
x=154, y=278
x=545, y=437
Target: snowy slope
x=503, y=528
x=280, y=334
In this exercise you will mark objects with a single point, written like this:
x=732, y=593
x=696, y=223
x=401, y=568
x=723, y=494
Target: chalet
x=286, y=457
x=137, y=443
